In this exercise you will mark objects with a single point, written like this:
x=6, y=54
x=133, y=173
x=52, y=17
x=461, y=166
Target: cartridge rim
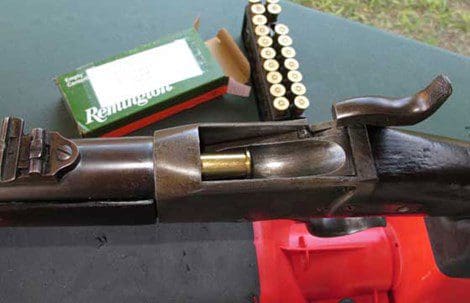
x=277, y=90
x=284, y=40
x=288, y=52
x=262, y=30
x=254, y=1
x=274, y=77
x=272, y=1
x=274, y=8
x=258, y=9
x=291, y=64
x=298, y=89
x=265, y=41
x=271, y=65
x=268, y=53
x=259, y=20
x=281, y=29
x=301, y=102
x=281, y=103
x=295, y=76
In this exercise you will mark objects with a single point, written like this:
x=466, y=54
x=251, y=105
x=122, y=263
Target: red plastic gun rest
x=392, y=264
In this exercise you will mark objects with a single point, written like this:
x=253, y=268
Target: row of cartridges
x=280, y=67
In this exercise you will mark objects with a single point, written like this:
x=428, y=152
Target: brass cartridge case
x=262, y=30
x=284, y=40
x=272, y=11
x=277, y=90
x=267, y=53
x=274, y=77
x=258, y=9
x=301, y=103
x=291, y=64
x=226, y=165
x=298, y=89
x=271, y=65
x=281, y=104
x=259, y=20
x=265, y=41
x=294, y=76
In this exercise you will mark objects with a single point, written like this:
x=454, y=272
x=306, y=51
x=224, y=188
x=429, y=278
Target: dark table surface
x=180, y=262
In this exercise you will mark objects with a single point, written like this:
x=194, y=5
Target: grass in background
x=438, y=22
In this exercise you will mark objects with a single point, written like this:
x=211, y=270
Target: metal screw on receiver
x=64, y=152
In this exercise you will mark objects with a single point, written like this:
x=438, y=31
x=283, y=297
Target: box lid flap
x=227, y=53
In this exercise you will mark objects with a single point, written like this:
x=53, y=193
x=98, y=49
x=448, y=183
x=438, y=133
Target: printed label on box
x=144, y=74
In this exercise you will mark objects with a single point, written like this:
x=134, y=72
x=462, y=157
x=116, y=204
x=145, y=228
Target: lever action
x=240, y=171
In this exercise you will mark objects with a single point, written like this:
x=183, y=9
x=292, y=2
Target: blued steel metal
x=108, y=169
x=335, y=227
x=382, y=111
x=298, y=171
x=84, y=181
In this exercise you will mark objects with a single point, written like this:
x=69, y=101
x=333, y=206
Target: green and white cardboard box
x=134, y=89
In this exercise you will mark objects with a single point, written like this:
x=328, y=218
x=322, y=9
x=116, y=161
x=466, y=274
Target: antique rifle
x=354, y=165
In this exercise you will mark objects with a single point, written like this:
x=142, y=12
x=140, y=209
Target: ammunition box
x=129, y=91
